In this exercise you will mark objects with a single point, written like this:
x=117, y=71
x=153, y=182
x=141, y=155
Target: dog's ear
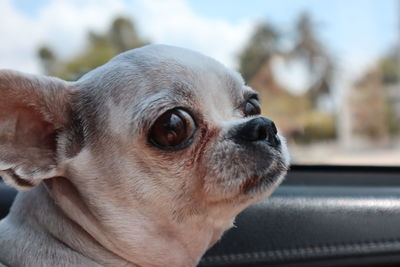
x=32, y=110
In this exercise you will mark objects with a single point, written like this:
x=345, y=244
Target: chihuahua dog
x=144, y=161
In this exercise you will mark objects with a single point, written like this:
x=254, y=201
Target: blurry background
x=328, y=71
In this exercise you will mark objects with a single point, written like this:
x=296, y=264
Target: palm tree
x=259, y=50
x=311, y=51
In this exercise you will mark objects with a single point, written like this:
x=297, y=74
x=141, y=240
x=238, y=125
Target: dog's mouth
x=261, y=183
x=244, y=172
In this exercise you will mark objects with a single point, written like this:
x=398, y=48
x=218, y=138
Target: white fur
x=110, y=198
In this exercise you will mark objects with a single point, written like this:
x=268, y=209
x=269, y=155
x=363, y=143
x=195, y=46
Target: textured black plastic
x=315, y=225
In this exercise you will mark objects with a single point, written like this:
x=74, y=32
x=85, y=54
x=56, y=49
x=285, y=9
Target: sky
x=355, y=32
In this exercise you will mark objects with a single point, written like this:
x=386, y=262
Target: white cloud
x=67, y=22
x=173, y=22
x=19, y=37
x=63, y=25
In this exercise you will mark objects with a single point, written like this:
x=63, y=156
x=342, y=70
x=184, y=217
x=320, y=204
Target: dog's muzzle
x=256, y=130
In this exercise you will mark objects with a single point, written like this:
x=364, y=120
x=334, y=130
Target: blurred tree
x=100, y=48
x=369, y=108
x=389, y=66
x=98, y=51
x=48, y=59
x=259, y=50
x=374, y=101
x=311, y=51
x=123, y=35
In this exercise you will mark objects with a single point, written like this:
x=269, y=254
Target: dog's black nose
x=258, y=129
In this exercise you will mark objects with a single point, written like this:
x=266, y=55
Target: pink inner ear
x=25, y=128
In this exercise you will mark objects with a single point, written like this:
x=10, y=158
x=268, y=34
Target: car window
x=327, y=71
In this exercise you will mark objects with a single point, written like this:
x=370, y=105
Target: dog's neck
x=37, y=226
x=48, y=214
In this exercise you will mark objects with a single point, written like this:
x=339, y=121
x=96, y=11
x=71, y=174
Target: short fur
x=99, y=192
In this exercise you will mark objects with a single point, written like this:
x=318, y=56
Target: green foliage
x=317, y=126
x=393, y=119
x=123, y=35
x=389, y=66
x=312, y=52
x=390, y=71
x=45, y=53
x=297, y=119
x=100, y=48
x=307, y=44
x=259, y=49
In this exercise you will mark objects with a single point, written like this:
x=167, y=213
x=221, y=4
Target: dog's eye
x=173, y=129
x=252, y=107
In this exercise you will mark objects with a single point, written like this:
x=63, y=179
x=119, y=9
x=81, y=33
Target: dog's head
x=159, y=131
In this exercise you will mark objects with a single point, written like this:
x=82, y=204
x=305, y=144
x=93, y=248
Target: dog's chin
x=259, y=185
x=266, y=174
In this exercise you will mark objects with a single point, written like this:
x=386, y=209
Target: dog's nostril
x=273, y=139
x=259, y=129
x=260, y=132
